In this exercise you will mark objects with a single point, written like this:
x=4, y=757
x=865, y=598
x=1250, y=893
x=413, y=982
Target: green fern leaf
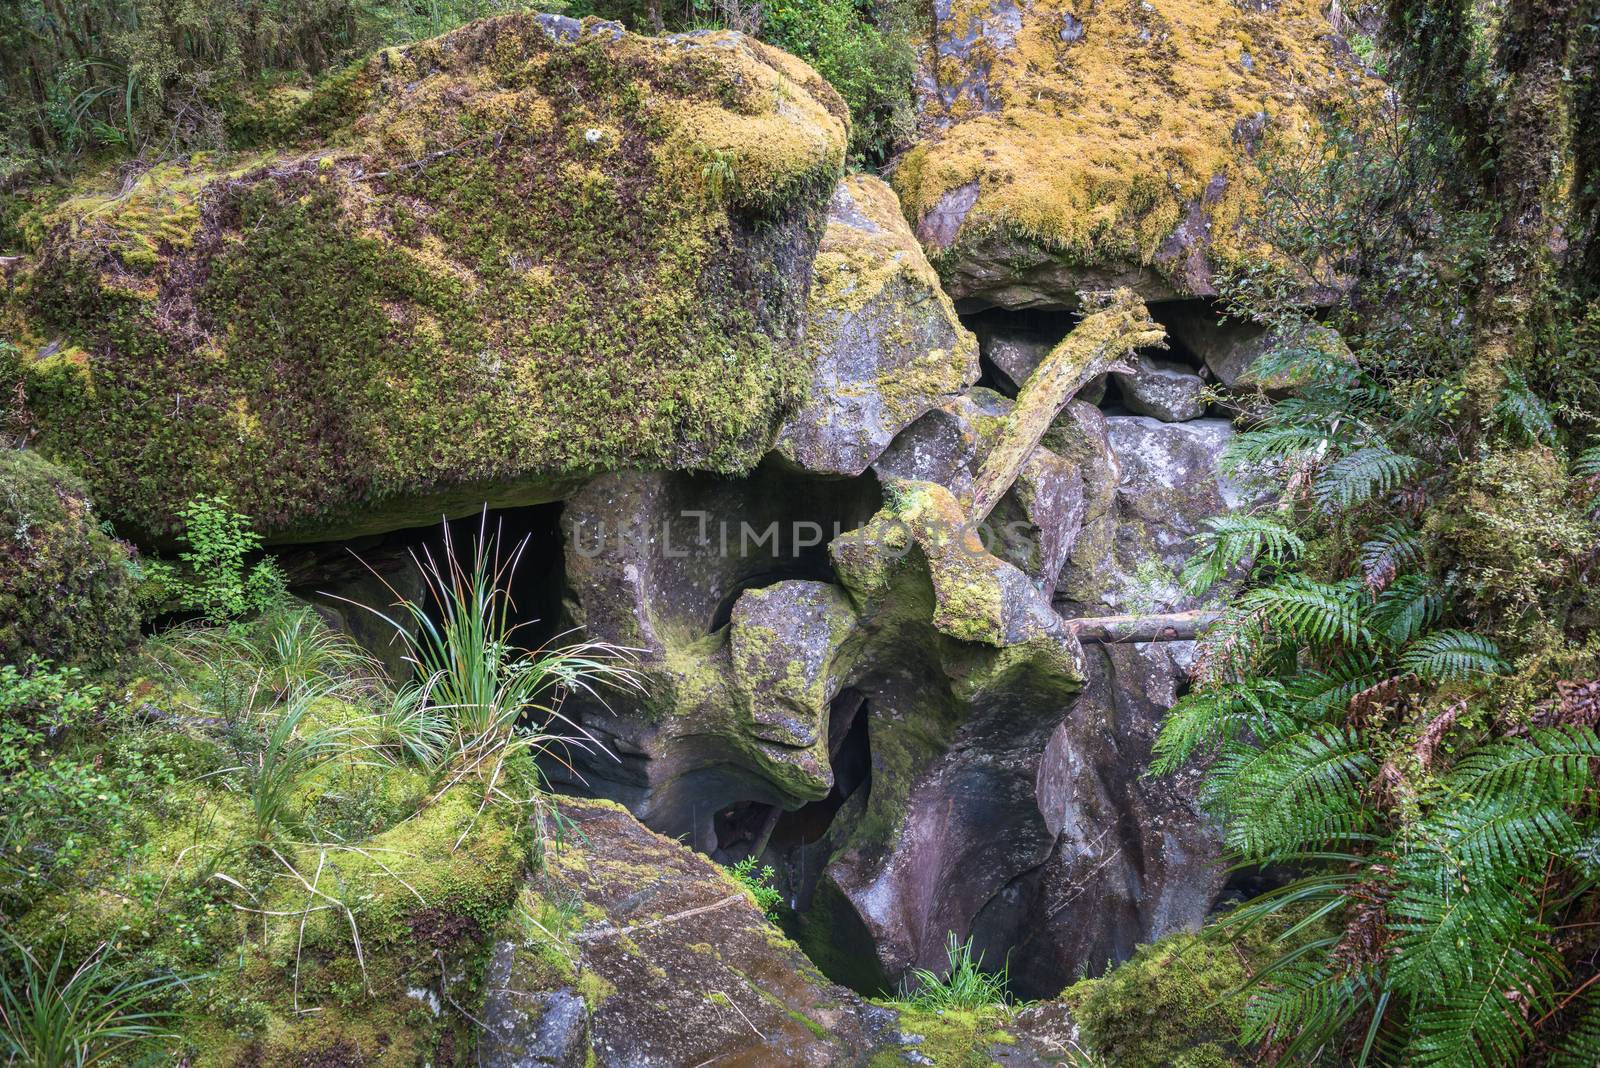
x=1228, y=541
x=1393, y=550
x=1317, y=612
x=1522, y=414
x=1580, y=1046
x=1553, y=764
x=1407, y=608
x=1299, y=792
x=1587, y=465
x=1361, y=476
x=1450, y=655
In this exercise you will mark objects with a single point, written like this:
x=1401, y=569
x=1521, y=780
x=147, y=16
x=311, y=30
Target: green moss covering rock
x=1071, y=146
x=1167, y=1005
x=66, y=590
x=523, y=252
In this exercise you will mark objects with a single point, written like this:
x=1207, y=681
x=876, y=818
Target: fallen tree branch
x=1160, y=627
x=617, y=932
x=1105, y=336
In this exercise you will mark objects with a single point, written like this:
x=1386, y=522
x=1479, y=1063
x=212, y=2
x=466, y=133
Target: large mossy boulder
x=66, y=591
x=515, y=255
x=1085, y=146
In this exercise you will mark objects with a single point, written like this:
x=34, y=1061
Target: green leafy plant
x=217, y=581
x=963, y=985
x=1392, y=711
x=758, y=880
x=55, y=1017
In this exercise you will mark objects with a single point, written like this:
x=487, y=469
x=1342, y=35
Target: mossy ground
x=510, y=262
x=354, y=930
x=1096, y=149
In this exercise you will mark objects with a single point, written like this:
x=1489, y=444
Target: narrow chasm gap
x=781, y=837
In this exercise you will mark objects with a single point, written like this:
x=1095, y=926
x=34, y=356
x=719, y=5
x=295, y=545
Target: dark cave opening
x=350, y=581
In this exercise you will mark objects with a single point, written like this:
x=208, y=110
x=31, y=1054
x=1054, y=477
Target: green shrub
x=66, y=591
x=217, y=584
x=864, y=50
x=759, y=882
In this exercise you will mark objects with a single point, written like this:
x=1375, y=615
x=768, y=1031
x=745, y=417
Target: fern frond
x=1215, y=715
x=1393, y=550
x=1361, y=476
x=1312, y=611
x=1587, y=465
x=1228, y=541
x=1304, y=1003
x=1552, y=764
x=1580, y=1046
x=1450, y=655
x=1269, y=446
x=1301, y=791
x=1483, y=1022
x=1408, y=607
x=1522, y=414
x=1325, y=694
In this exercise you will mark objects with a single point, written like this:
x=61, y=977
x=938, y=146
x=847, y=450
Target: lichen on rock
x=1079, y=146
x=517, y=254
x=884, y=339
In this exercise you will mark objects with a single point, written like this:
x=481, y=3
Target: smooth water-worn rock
x=1131, y=858
x=445, y=291
x=1070, y=147
x=1162, y=389
x=883, y=339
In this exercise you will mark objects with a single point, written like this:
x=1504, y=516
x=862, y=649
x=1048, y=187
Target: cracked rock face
x=884, y=339
x=1167, y=482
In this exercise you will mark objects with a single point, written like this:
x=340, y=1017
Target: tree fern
x=1227, y=541
x=1361, y=476
x=1449, y=655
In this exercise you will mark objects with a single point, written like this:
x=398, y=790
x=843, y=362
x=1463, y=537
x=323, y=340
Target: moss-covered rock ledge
x=514, y=255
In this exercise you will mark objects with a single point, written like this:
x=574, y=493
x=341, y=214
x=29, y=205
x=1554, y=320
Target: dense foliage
x=1400, y=705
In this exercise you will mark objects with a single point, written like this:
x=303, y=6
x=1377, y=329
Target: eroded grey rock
x=525, y=1026
x=883, y=338
x=1162, y=389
